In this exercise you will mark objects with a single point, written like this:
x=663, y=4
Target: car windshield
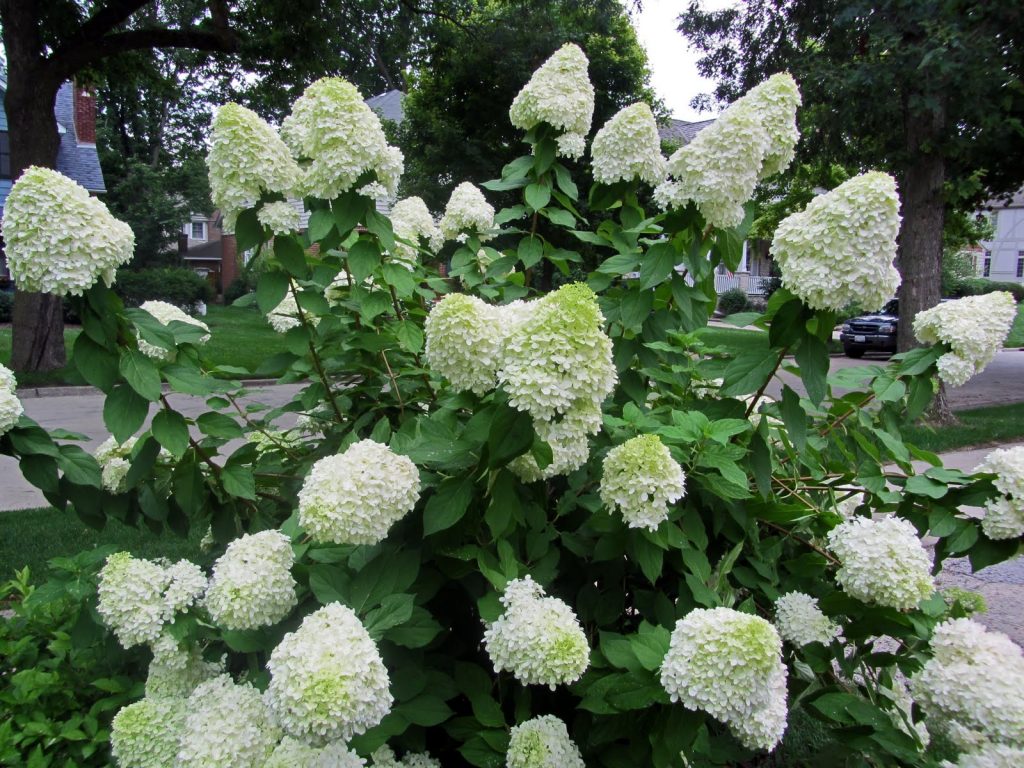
x=892, y=307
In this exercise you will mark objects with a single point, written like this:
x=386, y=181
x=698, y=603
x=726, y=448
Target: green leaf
x=531, y=250
x=636, y=308
x=78, y=466
x=565, y=182
x=289, y=253
x=426, y=710
x=381, y=227
x=329, y=583
x=363, y=258
x=925, y=486
x=794, y=417
x=271, y=290
x=650, y=646
x=238, y=480
x=560, y=217
x=97, y=364
x=511, y=434
x=393, y=610
x=537, y=196
x=648, y=556
x=418, y=631
x=246, y=640
x=748, y=372
x=140, y=373
x=248, y=230
x=410, y=336
x=124, y=412
x=385, y=575
x=400, y=278
x=321, y=222
x=812, y=357
x=171, y=431
x=658, y=264
x=619, y=264
x=218, y=425
x=448, y=504
x=504, y=504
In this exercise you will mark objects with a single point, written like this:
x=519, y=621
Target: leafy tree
x=456, y=125
x=929, y=91
x=48, y=42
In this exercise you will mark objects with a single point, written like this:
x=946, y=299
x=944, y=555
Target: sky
x=673, y=63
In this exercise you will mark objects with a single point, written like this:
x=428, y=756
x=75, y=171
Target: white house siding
x=1006, y=249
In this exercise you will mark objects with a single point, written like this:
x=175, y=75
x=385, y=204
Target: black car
x=871, y=333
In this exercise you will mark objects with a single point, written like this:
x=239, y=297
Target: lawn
x=978, y=426
x=33, y=536
x=1016, y=337
x=239, y=337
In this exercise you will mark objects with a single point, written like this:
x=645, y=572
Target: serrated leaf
x=448, y=504
x=140, y=373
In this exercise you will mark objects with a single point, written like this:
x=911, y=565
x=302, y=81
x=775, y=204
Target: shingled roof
x=388, y=105
x=682, y=131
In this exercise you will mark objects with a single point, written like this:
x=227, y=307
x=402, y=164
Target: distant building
x=1002, y=257
x=75, y=110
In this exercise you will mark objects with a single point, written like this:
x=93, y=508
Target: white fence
x=754, y=285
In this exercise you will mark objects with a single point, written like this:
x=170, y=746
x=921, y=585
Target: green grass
x=978, y=426
x=33, y=536
x=238, y=337
x=1016, y=337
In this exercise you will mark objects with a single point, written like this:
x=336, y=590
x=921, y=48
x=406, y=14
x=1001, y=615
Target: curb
x=34, y=392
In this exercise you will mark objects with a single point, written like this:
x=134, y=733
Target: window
x=198, y=230
x=987, y=269
x=1020, y=263
x=5, y=156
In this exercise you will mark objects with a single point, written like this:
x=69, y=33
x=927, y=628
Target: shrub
x=978, y=286
x=734, y=300
x=175, y=285
x=238, y=288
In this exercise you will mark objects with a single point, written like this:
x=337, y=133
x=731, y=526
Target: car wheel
x=853, y=352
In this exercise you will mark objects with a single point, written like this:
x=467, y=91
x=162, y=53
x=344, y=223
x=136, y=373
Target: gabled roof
x=682, y=131
x=388, y=105
x=76, y=161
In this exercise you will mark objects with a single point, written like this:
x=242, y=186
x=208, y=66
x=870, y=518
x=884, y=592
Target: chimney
x=85, y=114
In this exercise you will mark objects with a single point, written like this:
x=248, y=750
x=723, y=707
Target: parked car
x=871, y=333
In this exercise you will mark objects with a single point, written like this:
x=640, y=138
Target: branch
x=106, y=18
x=420, y=10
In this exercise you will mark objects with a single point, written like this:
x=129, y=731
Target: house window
x=987, y=269
x=5, y=156
x=198, y=230
x=1020, y=263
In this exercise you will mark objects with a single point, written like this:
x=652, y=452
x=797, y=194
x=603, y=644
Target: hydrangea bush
x=536, y=530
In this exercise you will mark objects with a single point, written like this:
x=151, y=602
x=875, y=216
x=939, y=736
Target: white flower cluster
x=729, y=664
x=252, y=584
x=285, y=315
x=974, y=328
x=292, y=753
x=641, y=478
x=800, y=621
x=10, y=406
x=628, y=147
x=883, y=562
x=281, y=217
x=753, y=139
x=356, y=496
x=467, y=212
x=57, y=238
x=411, y=220
x=327, y=680
x=1004, y=517
x=542, y=742
x=972, y=685
x=465, y=341
x=112, y=457
x=338, y=138
x=145, y=734
x=137, y=597
x=840, y=248
x=246, y=158
x=569, y=445
x=847, y=508
x=165, y=314
x=538, y=639
x=384, y=757
x=175, y=672
x=226, y=726
x=559, y=94
x=989, y=756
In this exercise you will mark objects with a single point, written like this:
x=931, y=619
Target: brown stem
x=317, y=363
x=831, y=558
x=753, y=403
x=394, y=381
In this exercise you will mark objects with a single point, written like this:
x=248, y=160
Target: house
x=1002, y=257
x=75, y=110
x=205, y=248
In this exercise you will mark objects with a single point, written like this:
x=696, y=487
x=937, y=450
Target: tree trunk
x=920, y=247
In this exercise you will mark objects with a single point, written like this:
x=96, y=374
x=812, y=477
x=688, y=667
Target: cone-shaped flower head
x=974, y=328
x=145, y=734
x=641, y=479
x=542, y=742
x=411, y=220
x=840, y=248
x=883, y=561
x=538, y=639
x=226, y=726
x=729, y=664
x=339, y=139
x=131, y=599
x=628, y=147
x=10, y=406
x=356, y=496
x=567, y=438
x=112, y=457
x=800, y=621
x=464, y=342
x=281, y=217
x=467, y=212
x=175, y=671
x=327, y=680
x=559, y=356
x=748, y=142
x=292, y=753
x=971, y=687
x=252, y=584
x=58, y=239
x=165, y=314
x=246, y=159
x=989, y=756
x=559, y=94
x=1004, y=517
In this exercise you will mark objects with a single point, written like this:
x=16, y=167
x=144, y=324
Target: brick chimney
x=85, y=114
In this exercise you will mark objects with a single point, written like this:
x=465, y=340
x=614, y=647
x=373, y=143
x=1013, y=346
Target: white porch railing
x=754, y=285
